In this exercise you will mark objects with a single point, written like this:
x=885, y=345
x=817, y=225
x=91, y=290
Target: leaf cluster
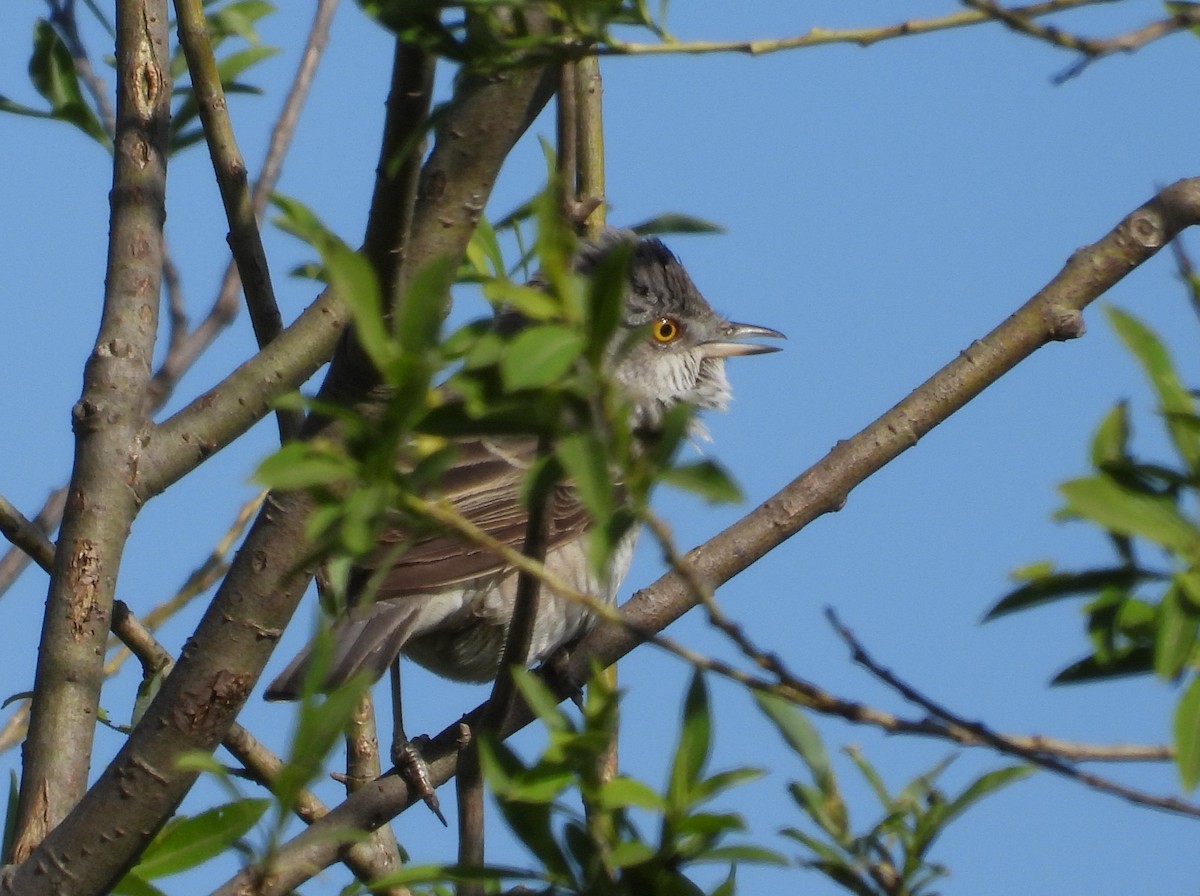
x=54, y=76
x=890, y=857
x=1143, y=610
x=603, y=850
x=486, y=35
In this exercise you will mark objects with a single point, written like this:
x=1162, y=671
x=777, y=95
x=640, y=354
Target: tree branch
x=199, y=700
x=1002, y=743
x=230, y=170
x=816, y=37
x=108, y=425
x=1052, y=314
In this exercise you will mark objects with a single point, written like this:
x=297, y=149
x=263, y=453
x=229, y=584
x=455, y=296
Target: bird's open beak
x=728, y=344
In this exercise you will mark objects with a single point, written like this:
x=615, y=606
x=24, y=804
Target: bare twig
x=15, y=559
x=25, y=535
x=1091, y=49
x=185, y=351
x=816, y=37
x=1001, y=743
x=244, y=237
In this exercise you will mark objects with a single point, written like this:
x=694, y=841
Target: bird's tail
x=365, y=641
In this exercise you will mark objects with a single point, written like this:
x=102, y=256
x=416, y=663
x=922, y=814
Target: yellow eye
x=666, y=330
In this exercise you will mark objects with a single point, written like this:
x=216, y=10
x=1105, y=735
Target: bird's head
x=671, y=346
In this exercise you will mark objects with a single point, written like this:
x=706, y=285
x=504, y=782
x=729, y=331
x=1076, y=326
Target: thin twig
x=1001, y=743
x=244, y=238
x=225, y=307
x=815, y=37
x=1091, y=49
x=25, y=535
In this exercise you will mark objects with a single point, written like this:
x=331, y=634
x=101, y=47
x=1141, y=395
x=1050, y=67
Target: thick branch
x=108, y=423
x=1053, y=314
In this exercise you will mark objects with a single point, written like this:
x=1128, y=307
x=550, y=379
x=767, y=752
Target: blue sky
x=883, y=207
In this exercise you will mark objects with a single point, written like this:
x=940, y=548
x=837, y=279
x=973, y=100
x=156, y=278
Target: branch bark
x=108, y=423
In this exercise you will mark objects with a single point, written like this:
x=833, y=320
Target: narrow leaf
x=1175, y=638
x=695, y=742
x=705, y=478
x=1129, y=512
x=1187, y=735
x=539, y=356
x=187, y=842
x=1173, y=397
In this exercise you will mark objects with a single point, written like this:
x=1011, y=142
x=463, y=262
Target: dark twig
x=998, y=741
x=25, y=535
x=1090, y=49
x=244, y=237
x=186, y=350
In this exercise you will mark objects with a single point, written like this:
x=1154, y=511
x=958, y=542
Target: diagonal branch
x=1052, y=314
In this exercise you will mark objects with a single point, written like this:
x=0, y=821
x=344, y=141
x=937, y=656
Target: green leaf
x=52, y=72
x=1110, y=444
x=1050, y=586
x=985, y=784
x=755, y=855
x=541, y=700
x=673, y=222
x=622, y=793
x=1176, y=636
x=695, y=743
x=583, y=457
x=531, y=822
x=319, y=726
x=607, y=283
x=1187, y=735
x=828, y=814
x=187, y=842
x=483, y=250
x=1127, y=512
x=304, y=465
x=238, y=19
x=349, y=274
x=1173, y=397
x=133, y=885
x=419, y=318
x=236, y=63
x=539, y=356
x=801, y=735
x=706, y=478
x=1128, y=661
x=147, y=689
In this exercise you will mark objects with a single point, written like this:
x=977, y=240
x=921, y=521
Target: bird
x=446, y=602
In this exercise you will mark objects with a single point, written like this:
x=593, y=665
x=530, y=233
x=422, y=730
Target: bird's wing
x=483, y=485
